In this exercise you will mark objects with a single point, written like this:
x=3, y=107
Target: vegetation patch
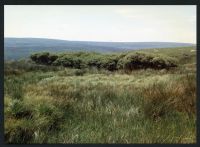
x=112, y=62
x=87, y=97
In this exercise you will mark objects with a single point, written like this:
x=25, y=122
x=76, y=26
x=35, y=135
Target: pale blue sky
x=128, y=23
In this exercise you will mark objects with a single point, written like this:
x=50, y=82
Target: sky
x=115, y=23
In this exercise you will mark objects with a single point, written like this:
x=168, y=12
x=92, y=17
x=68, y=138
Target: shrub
x=41, y=58
x=69, y=61
x=143, y=60
x=34, y=57
x=44, y=58
x=64, y=61
x=94, y=62
x=126, y=61
x=109, y=63
x=52, y=58
x=163, y=62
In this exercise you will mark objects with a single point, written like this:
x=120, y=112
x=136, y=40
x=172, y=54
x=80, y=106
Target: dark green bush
x=109, y=63
x=44, y=58
x=95, y=62
x=52, y=58
x=126, y=61
x=143, y=60
x=64, y=61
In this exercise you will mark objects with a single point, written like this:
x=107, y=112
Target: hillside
x=16, y=48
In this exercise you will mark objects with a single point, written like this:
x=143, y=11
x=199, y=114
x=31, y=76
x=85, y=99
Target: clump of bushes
x=111, y=62
x=69, y=61
x=95, y=61
x=44, y=58
x=143, y=60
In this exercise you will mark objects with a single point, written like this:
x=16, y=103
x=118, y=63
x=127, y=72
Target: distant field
x=65, y=103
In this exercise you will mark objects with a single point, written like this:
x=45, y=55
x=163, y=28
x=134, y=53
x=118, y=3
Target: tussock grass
x=162, y=98
x=99, y=106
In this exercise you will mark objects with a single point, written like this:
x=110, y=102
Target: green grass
x=64, y=105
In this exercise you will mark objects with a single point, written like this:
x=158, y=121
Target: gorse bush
x=109, y=63
x=44, y=58
x=127, y=61
x=143, y=60
x=69, y=61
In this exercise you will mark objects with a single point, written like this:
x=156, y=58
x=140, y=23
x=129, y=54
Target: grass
x=64, y=105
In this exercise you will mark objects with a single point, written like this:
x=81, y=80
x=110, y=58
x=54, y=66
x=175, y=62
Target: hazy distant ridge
x=15, y=48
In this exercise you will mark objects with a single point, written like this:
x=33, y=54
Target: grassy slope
x=145, y=106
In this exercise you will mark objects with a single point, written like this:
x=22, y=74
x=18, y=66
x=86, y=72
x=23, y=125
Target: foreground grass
x=69, y=106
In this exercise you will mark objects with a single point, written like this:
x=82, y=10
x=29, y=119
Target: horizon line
x=99, y=41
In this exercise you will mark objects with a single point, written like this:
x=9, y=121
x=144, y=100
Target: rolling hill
x=16, y=48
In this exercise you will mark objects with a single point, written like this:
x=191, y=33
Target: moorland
x=143, y=96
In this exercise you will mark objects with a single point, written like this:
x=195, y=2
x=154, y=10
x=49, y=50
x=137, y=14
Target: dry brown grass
x=162, y=98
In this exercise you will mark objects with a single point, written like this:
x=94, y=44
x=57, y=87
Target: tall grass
x=100, y=106
x=162, y=98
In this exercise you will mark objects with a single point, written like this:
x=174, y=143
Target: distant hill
x=16, y=48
